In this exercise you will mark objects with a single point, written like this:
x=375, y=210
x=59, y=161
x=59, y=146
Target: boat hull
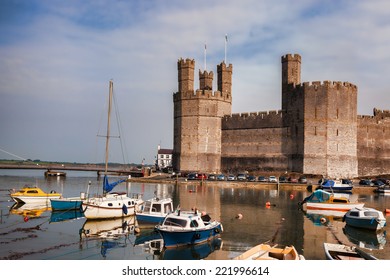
x=331, y=206
x=45, y=199
x=110, y=206
x=370, y=224
x=148, y=219
x=62, y=204
x=175, y=238
x=343, y=252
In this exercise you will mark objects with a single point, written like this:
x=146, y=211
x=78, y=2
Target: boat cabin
x=163, y=206
x=187, y=219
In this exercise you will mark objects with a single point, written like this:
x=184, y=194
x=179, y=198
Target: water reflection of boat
x=322, y=217
x=151, y=242
x=365, y=238
x=110, y=228
x=29, y=210
x=193, y=252
x=61, y=216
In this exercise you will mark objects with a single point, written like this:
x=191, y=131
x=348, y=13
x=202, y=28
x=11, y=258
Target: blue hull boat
x=366, y=218
x=337, y=185
x=153, y=211
x=62, y=204
x=188, y=228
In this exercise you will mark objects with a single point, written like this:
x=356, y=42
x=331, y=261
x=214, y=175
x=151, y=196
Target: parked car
x=241, y=177
x=293, y=180
x=201, y=176
x=231, y=177
x=221, y=177
x=212, y=177
x=191, y=176
x=302, y=180
x=262, y=179
x=366, y=182
x=251, y=178
x=377, y=183
x=272, y=179
x=282, y=179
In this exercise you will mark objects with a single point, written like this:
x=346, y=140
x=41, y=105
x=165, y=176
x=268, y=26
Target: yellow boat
x=33, y=195
x=267, y=252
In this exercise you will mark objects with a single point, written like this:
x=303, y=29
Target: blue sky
x=57, y=57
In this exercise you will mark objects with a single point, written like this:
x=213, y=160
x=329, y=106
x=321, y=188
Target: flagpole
x=225, y=47
x=205, y=54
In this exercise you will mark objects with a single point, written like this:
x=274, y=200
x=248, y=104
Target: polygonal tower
x=197, y=118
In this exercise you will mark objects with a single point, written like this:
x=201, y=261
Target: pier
x=57, y=167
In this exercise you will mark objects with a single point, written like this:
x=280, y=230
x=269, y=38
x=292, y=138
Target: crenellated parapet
x=290, y=57
x=381, y=113
x=316, y=85
x=253, y=120
x=202, y=94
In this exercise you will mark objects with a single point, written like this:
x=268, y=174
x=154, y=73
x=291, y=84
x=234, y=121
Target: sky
x=57, y=58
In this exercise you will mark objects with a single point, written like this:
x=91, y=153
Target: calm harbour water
x=68, y=236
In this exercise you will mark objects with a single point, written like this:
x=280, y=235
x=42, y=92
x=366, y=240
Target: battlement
x=289, y=57
x=381, y=113
x=253, y=120
x=326, y=84
x=223, y=67
x=186, y=62
x=202, y=94
x=377, y=116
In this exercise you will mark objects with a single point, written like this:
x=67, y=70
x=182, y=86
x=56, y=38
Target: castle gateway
x=317, y=131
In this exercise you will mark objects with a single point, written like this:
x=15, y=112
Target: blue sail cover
x=328, y=183
x=107, y=187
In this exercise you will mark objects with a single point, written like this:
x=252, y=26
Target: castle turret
x=291, y=75
x=198, y=118
x=186, y=74
x=206, y=80
x=225, y=78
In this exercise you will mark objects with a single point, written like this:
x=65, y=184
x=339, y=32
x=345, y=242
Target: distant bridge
x=52, y=167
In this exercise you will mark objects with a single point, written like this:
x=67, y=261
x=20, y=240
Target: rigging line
x=11, y=154
x=119, y=125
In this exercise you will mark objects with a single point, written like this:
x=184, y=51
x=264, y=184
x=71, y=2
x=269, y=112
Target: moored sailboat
x=110, y=204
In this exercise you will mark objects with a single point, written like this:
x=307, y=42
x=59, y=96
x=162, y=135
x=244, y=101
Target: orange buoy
x=25, y=218
x=291, y=196
x=268, y=204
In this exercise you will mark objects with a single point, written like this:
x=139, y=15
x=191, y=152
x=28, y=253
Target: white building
x=164, y=158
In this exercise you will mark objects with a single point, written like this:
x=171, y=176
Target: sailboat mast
x=108, y=124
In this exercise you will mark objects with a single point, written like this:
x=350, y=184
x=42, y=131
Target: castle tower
x=291, y=75
x=186, y=74
x=225, y=78
x=197, y=121
x=206, y=80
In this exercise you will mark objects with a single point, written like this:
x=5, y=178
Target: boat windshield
x=371, y=214
x=167, y=207
x=175, y=222
x=147, y=206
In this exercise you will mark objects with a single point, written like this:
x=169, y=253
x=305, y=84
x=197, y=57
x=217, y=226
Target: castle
x=317, y=131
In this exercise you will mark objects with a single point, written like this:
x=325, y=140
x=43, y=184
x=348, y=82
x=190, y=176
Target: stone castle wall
x=317, y=131
x=373, y=145
x=253, y=142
